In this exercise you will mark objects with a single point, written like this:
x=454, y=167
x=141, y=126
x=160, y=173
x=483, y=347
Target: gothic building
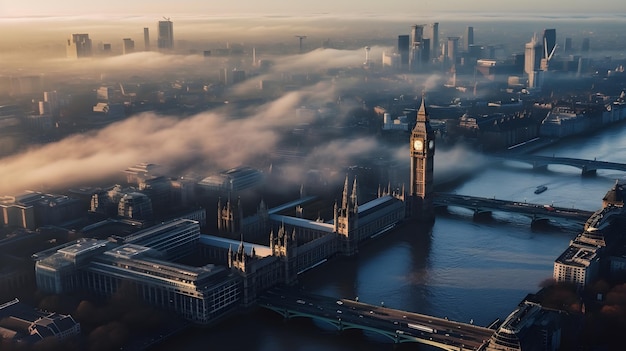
x=229, y=216
x=346, y=219
x=422, y=155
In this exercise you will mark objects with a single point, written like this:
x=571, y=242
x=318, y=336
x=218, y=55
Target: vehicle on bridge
x=421, y=328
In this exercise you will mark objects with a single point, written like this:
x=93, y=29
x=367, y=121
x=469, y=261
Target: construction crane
x=301, y=37
x=166, y=18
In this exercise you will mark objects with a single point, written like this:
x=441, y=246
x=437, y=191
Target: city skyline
x=74, y=7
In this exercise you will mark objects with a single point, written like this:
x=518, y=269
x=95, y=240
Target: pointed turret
x=422, y=114
x=353, y=197
x=344, y=201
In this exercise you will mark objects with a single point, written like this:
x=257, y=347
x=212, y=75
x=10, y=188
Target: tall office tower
x=166, y=35
x=404, y=49
x=415, y=55
x=128, y=46
x=532, y=55
x=585, y=47
x=469, y=39
x=568, y=45
x=78, y=45
x=453, y=48
x=433, y=35
x=425, y=50
x=417, y=33
x=146, y=39
x=548, y=42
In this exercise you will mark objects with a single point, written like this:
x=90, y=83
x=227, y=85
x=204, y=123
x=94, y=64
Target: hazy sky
x=13, y=8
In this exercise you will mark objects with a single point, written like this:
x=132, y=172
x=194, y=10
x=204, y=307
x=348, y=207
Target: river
x=458, y=268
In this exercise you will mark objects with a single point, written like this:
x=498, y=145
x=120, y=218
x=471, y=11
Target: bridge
x=485, y=206
x=396, y=325
x=588, y=167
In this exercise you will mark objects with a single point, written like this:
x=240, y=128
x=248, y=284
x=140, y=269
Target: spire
x=422, y=114
x=241, y=249
x=344, y=202
x=353, y=197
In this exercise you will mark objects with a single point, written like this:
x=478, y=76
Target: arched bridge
x=484, y=206
x=588, y=167
x=396, y=325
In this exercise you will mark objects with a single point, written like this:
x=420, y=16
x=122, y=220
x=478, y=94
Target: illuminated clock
x=418, y=145
x=431, y=144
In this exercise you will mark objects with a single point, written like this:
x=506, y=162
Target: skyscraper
x=433, y=35
x=585, y=47
x=403, y=49
x=469, y=38
x=166, y=35
x=415, y=55
x=128, y=46
x=453, y=48
x=78, y=45
x=548, y=42
x=146, y=39
x=533, y=53
x=568, y=45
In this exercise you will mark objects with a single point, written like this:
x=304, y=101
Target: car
x=302, y=302
x=339, y=302
x=339, y=311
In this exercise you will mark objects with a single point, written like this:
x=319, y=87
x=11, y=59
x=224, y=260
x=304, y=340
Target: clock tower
x=422, y=154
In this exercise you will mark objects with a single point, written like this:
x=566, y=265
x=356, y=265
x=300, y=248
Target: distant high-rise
x=128, y=46
x=532, y=55
x=568, y=45
x=469, y=38
x=404, y=48
x=585, y=47
x=417, y=33
x=146, y=39
x=548, y=42
x=453, y=48
x=416, y=52
x=78, y=45
x=166, y=35
x=433, y=35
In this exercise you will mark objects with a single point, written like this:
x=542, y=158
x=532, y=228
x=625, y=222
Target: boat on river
x=540, y=189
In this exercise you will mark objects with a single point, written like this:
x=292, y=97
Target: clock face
x=418, y=145
x=431, y=144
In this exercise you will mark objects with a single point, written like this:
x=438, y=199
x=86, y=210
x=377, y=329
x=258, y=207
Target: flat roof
x=82, y=247
x=290, y=204
x=224, y=243
x=127, y=251
x=303, y=223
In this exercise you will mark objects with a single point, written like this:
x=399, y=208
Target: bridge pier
x=539, y=222
x=589, y=172
x=481, y=215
